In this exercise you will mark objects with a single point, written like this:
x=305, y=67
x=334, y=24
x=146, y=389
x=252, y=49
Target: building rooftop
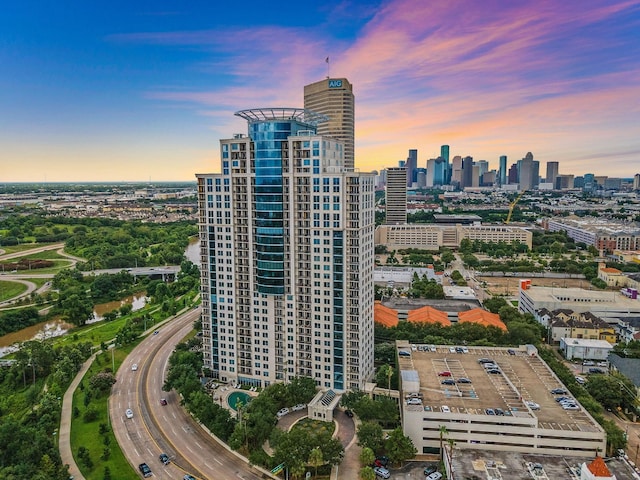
x=524, y=377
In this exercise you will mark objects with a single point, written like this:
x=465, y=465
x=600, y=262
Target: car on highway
x=156, y=332
x=145, y=470
x=128, y=413
x=382, y=472
x=189, y=477
x=164, y=458
x=134, y=367
x=163, y=401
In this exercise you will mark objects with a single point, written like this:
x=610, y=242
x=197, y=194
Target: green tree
x=315, y=459
x=370, y=436
x=367, y=473
x=399, y=447
x=367, y=456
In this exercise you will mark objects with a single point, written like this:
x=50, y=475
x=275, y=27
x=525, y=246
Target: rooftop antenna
x=327, y=61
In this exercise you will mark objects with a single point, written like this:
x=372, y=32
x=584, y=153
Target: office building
x=333, y=97
x=467, y=172
x=502, y=173
x=528, y=172
x=287, y=249
x=636, y=181
x=456, y=170
x=444, y=153
x=411, y=166
x=436, y=172
x=432, y=236
x=589, y=182
x=603, y=234
x=552, y=172
x=396, y=196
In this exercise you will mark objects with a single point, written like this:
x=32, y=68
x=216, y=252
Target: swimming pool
x=235, y=397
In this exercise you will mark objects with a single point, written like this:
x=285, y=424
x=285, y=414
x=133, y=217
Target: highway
x=155, y=428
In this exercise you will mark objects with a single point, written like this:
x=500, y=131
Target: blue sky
x=137, y=91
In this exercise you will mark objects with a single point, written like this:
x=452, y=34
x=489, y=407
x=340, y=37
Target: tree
x=102, y=381
x=315, y=459
x=443, y=433
x=370, y=436
x=399, y=447
x=367, y=473
x=385, y=372
x=367, y=456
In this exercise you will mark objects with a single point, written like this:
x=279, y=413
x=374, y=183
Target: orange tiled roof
x=611, y=270
x=428, y=315
x=481, y=316
x=384, y=315
x=599, y=468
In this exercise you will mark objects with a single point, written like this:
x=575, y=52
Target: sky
x=144, y=90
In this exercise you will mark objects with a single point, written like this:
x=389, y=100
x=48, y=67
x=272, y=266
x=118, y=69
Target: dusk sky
x=144, y=90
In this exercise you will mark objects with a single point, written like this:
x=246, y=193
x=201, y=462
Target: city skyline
x=144, y=93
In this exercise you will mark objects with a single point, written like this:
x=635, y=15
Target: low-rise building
x=584, y=349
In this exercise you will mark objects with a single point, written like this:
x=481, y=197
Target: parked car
x=602, y=364
x=532, y=405
x=282, y=412
x=464, y=380
x=490, y=411
x=444, y=374
x=348, y=413
x=448, y=381
x=128, y=413
x=404, y=353
x=300, y=406
x=494, y=371
x=382, y=472
x=384, y=460
x=581, y=380
x=499, y=411
x=434, y=476
x=596, y=370
x=414, y=401
x=430, y=469
x=511, y=351
x=445, y=409
x=452, y=349
x=145, y=470
x=164, y=458
x=558, y=391
x=485, y=360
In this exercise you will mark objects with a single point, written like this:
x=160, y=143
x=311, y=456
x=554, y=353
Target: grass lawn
x=88, y=434
x=315, y=426
x=10, y=289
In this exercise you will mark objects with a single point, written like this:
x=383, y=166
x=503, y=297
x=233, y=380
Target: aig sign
x=335, y=83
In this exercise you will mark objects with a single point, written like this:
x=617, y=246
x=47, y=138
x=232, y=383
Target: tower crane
x=512, y=206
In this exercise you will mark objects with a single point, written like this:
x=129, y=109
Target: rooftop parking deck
x=520, y=381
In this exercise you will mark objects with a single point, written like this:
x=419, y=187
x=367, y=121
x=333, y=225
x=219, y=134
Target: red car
x=163, y=401
x=444, y=374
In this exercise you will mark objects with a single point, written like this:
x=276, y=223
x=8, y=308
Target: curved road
x=154, y=428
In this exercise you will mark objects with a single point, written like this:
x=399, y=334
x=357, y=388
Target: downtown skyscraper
x=334, y=98
x=287, y=254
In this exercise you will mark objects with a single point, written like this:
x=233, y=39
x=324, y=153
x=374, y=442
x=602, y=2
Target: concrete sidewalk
x=64, y=432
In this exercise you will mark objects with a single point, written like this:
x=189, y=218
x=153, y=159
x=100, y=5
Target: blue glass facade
x=269, y=239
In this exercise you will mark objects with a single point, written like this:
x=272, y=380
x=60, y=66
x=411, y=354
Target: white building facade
x=287, y=257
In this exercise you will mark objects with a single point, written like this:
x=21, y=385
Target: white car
x=452, y=349
x=134, y=367
x=532, y=405
x=414, y=401
x=300, y=406
x=434, y=476
x=282, y=412
x=382, y=472
x=445, y=409
x=128, y=413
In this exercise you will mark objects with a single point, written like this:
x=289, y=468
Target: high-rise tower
x=333, y=97
x=396, y=196
x=502, y=172
x=552, y=172
x=287, y=253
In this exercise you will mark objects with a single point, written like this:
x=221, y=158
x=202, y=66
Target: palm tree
x=451, y=443
x=443, y=431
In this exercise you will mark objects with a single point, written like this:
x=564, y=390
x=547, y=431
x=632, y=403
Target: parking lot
x=518, y=378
